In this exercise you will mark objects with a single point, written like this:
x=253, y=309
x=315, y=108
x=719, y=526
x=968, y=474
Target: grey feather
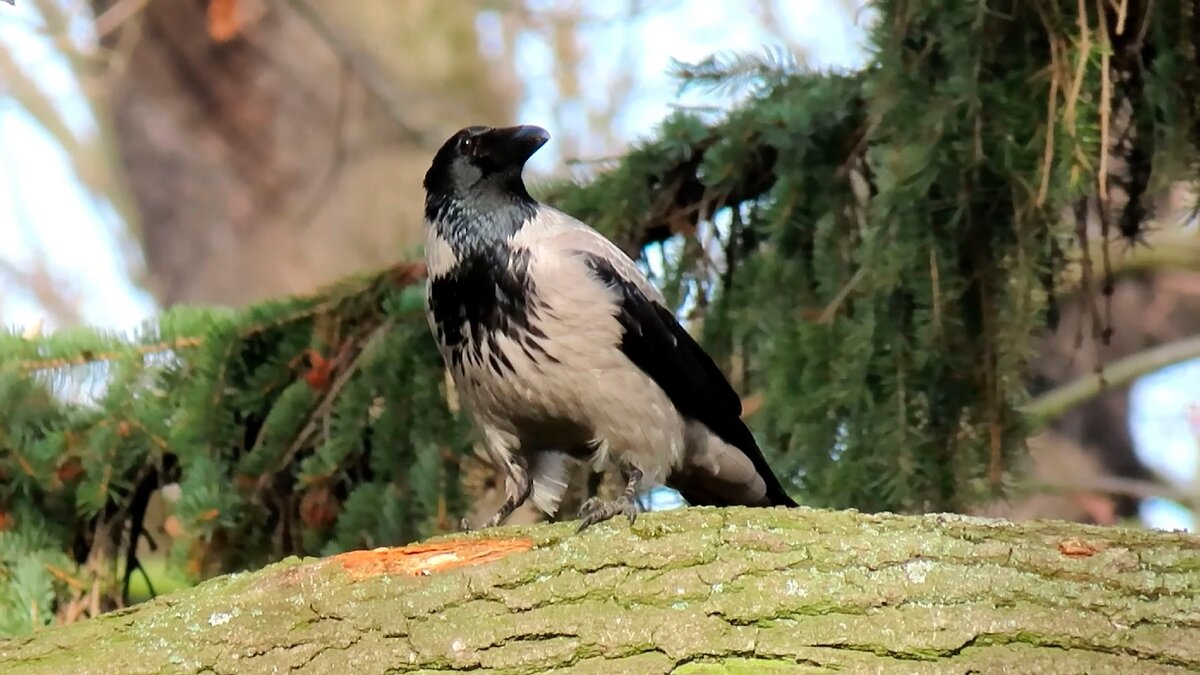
x=551, y=473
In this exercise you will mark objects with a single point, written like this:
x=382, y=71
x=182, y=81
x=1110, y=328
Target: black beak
x=513, y=146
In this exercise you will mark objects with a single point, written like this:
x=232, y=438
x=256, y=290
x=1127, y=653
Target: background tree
x=285, y=145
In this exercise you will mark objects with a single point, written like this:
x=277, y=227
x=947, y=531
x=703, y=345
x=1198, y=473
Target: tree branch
x=1165, y=249
x=1054, y=403
x=747, y=589
x=1112, y=485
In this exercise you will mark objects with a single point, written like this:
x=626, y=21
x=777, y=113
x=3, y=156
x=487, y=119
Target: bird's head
x=483, y=163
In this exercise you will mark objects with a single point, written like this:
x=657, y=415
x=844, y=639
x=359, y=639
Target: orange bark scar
x=423, y=559
x=1077, y=548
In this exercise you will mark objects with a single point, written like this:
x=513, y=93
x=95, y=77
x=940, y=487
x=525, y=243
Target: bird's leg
x=596, y=510
x=517, y=487
x=518, y=484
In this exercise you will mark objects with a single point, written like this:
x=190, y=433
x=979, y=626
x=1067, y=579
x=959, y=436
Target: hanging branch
x=1054, y=403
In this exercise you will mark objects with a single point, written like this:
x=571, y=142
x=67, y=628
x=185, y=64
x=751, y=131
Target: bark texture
x=691, y=591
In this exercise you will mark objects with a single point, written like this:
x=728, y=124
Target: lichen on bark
x=695, y=591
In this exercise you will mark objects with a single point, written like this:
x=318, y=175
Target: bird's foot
x=517, y=487
x=596, y=510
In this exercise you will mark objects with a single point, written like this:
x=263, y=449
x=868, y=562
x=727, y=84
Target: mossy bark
x=690, y=591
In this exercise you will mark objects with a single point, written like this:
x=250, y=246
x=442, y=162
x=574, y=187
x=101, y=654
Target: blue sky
x=42, y=205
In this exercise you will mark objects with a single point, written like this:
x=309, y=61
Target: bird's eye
x=467, y=143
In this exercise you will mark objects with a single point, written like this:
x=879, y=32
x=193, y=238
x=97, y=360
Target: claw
x=464, y=525
x=596, y=511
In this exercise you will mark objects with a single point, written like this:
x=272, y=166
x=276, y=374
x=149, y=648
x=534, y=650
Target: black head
x=483, y=161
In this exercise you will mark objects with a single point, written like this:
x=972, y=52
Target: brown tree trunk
x=275, y=145
x=691, y=591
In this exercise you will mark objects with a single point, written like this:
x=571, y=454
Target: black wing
x=661, y=348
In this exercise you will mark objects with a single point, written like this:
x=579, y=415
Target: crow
x=562, y=351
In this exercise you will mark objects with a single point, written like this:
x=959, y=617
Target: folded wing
x=656, y=343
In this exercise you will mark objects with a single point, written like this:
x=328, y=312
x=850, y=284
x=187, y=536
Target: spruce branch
x=731, y=72
x=88, y=357
x=359, y=347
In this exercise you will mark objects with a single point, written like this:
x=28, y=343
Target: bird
x=562, y=351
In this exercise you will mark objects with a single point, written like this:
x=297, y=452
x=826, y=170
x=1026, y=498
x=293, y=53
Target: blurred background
x=228, y=151
x=155, y=152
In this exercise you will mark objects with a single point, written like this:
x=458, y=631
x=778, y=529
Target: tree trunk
x=697, y=590
x=283, y=146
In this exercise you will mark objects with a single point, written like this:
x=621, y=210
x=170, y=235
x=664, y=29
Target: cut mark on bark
x=1078, y=548
x=425, y=559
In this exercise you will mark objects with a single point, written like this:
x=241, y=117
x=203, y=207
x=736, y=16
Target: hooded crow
x=562, y=351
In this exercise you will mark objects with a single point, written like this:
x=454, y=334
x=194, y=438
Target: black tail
x=700, y=487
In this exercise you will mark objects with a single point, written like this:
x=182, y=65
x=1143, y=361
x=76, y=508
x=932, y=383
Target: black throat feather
x=489, y=291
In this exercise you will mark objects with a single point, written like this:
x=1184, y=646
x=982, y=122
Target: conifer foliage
x=888, y=243
x=303, y=426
